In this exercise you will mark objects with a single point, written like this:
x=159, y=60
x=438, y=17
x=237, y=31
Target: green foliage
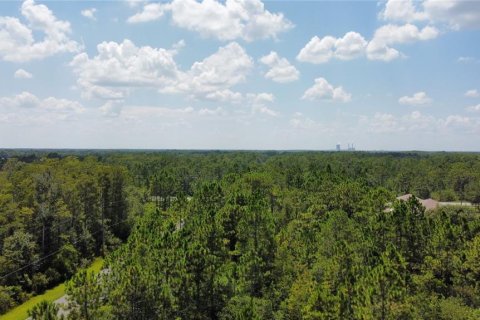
x=247, y=308
x=7, y=298
x=54, y=213
x=44, y=310
x=244, y=235
x=84, y=293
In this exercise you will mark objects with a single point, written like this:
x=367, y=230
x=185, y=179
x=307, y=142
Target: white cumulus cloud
x=322, y=90
x=353, y=45
x=402, y=10
x=119, y=67
x=229, y=20
x=150, y=12
x=379, y=48
x=22, y=74
x=17, y=41
x=280, y=68
x=418, y=99
x=457, y=14
x=321, y=50
x=27, y=100
x=212, y=76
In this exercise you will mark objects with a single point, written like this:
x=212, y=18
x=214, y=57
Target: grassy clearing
x=20, y=312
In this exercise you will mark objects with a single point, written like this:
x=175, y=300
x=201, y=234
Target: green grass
x=20, y=312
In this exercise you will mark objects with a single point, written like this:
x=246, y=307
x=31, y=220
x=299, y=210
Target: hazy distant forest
x=241, y=235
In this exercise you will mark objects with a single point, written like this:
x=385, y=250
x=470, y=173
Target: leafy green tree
x=19, y=250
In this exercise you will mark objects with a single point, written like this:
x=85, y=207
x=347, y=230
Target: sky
x=240, y=74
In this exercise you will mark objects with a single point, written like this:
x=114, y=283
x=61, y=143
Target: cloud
x=379, y=48
x=256, y=101
x=22, y=74
x=22, y=100
x=321, y=50
x=259, y=103
x=119, y=67
x=226, y=95
x=381, y=123
x=418, y=99
x=177, y=46
x=17, y=43
x=29, y=101
x=317, y=50
x=211, y=112
x=89, y=13
x=402, y=10
x=233, y=19
x=215, y=75
x=280, y=69
x=135, y=3
x=472, y=93
x=467, y=60
x=300, y=121
x=417, y=122
x=139, y=113
x=456, y=121
x=457, y=14
x=150, y=12
x=353, y=45
x=131, y=113
x=475, y=108
x=112, y=108
x=322, y=90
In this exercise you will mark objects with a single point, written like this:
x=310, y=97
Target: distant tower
x=338, y=147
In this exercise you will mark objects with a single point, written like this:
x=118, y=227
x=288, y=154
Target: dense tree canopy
x=243, y=235
x=54, y=216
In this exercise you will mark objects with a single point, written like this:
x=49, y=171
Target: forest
x=241, y=234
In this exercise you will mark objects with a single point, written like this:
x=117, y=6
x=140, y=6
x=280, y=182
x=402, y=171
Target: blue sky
x=240, y=74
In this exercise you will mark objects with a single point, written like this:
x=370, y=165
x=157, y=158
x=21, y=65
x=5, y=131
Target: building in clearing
x=429, y=204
